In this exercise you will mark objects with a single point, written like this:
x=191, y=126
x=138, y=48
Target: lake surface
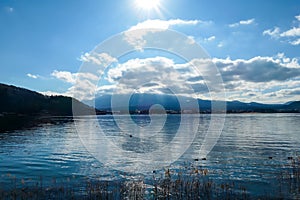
x=242, y=154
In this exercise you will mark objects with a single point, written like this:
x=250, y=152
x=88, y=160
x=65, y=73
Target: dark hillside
x=20, y=107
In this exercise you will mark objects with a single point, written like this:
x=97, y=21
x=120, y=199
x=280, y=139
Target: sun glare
x=147, y=4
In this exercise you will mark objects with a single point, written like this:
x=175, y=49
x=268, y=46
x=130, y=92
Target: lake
x=252, y=151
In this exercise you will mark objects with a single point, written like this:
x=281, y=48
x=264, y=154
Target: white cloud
x=234, y=25
x=284, y=95
x=164, y=24
x=274, y=33
x=291, y=36
x=221, y=44
x=86, y=75
x=73, y=77
x=51, y=93
x=106, y=89
x=102, y=59
x=84, y=84
x=285, y=92
x=161, y=75
x=135, y=34
x=256, y=78
x=291, y=33
x=84, y=89
x=295, y=42
x=133, y=74
x=271, y=92
x=242, y=22
x=247, y=22
x=209, y=39
x=258, y=69
x=190, y=40
x=64, y=76
x=32, y=76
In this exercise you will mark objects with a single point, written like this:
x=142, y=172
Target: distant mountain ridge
x=142, y=102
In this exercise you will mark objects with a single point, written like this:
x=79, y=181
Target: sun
x=147, y=4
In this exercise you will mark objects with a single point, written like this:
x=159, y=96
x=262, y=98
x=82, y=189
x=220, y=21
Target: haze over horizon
x=255, y=45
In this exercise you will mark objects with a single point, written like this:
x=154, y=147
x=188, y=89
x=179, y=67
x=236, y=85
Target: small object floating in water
x=203, y=158
x=167, y=173
x=130, y=135
x=196, y=159
x=154, y=171
x=290, y=158
x=270, y=157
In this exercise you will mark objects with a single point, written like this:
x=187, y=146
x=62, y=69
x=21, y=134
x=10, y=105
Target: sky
x=254, y=44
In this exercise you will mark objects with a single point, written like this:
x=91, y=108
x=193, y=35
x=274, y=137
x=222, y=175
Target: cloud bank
x=263, y=79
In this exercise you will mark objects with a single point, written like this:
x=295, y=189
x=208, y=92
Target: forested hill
x=20, y=101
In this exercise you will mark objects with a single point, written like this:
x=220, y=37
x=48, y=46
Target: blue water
x=240, y=155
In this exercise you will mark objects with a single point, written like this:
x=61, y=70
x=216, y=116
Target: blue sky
x=42, y=43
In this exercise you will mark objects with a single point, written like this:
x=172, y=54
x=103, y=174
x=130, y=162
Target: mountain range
x=171, y=103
